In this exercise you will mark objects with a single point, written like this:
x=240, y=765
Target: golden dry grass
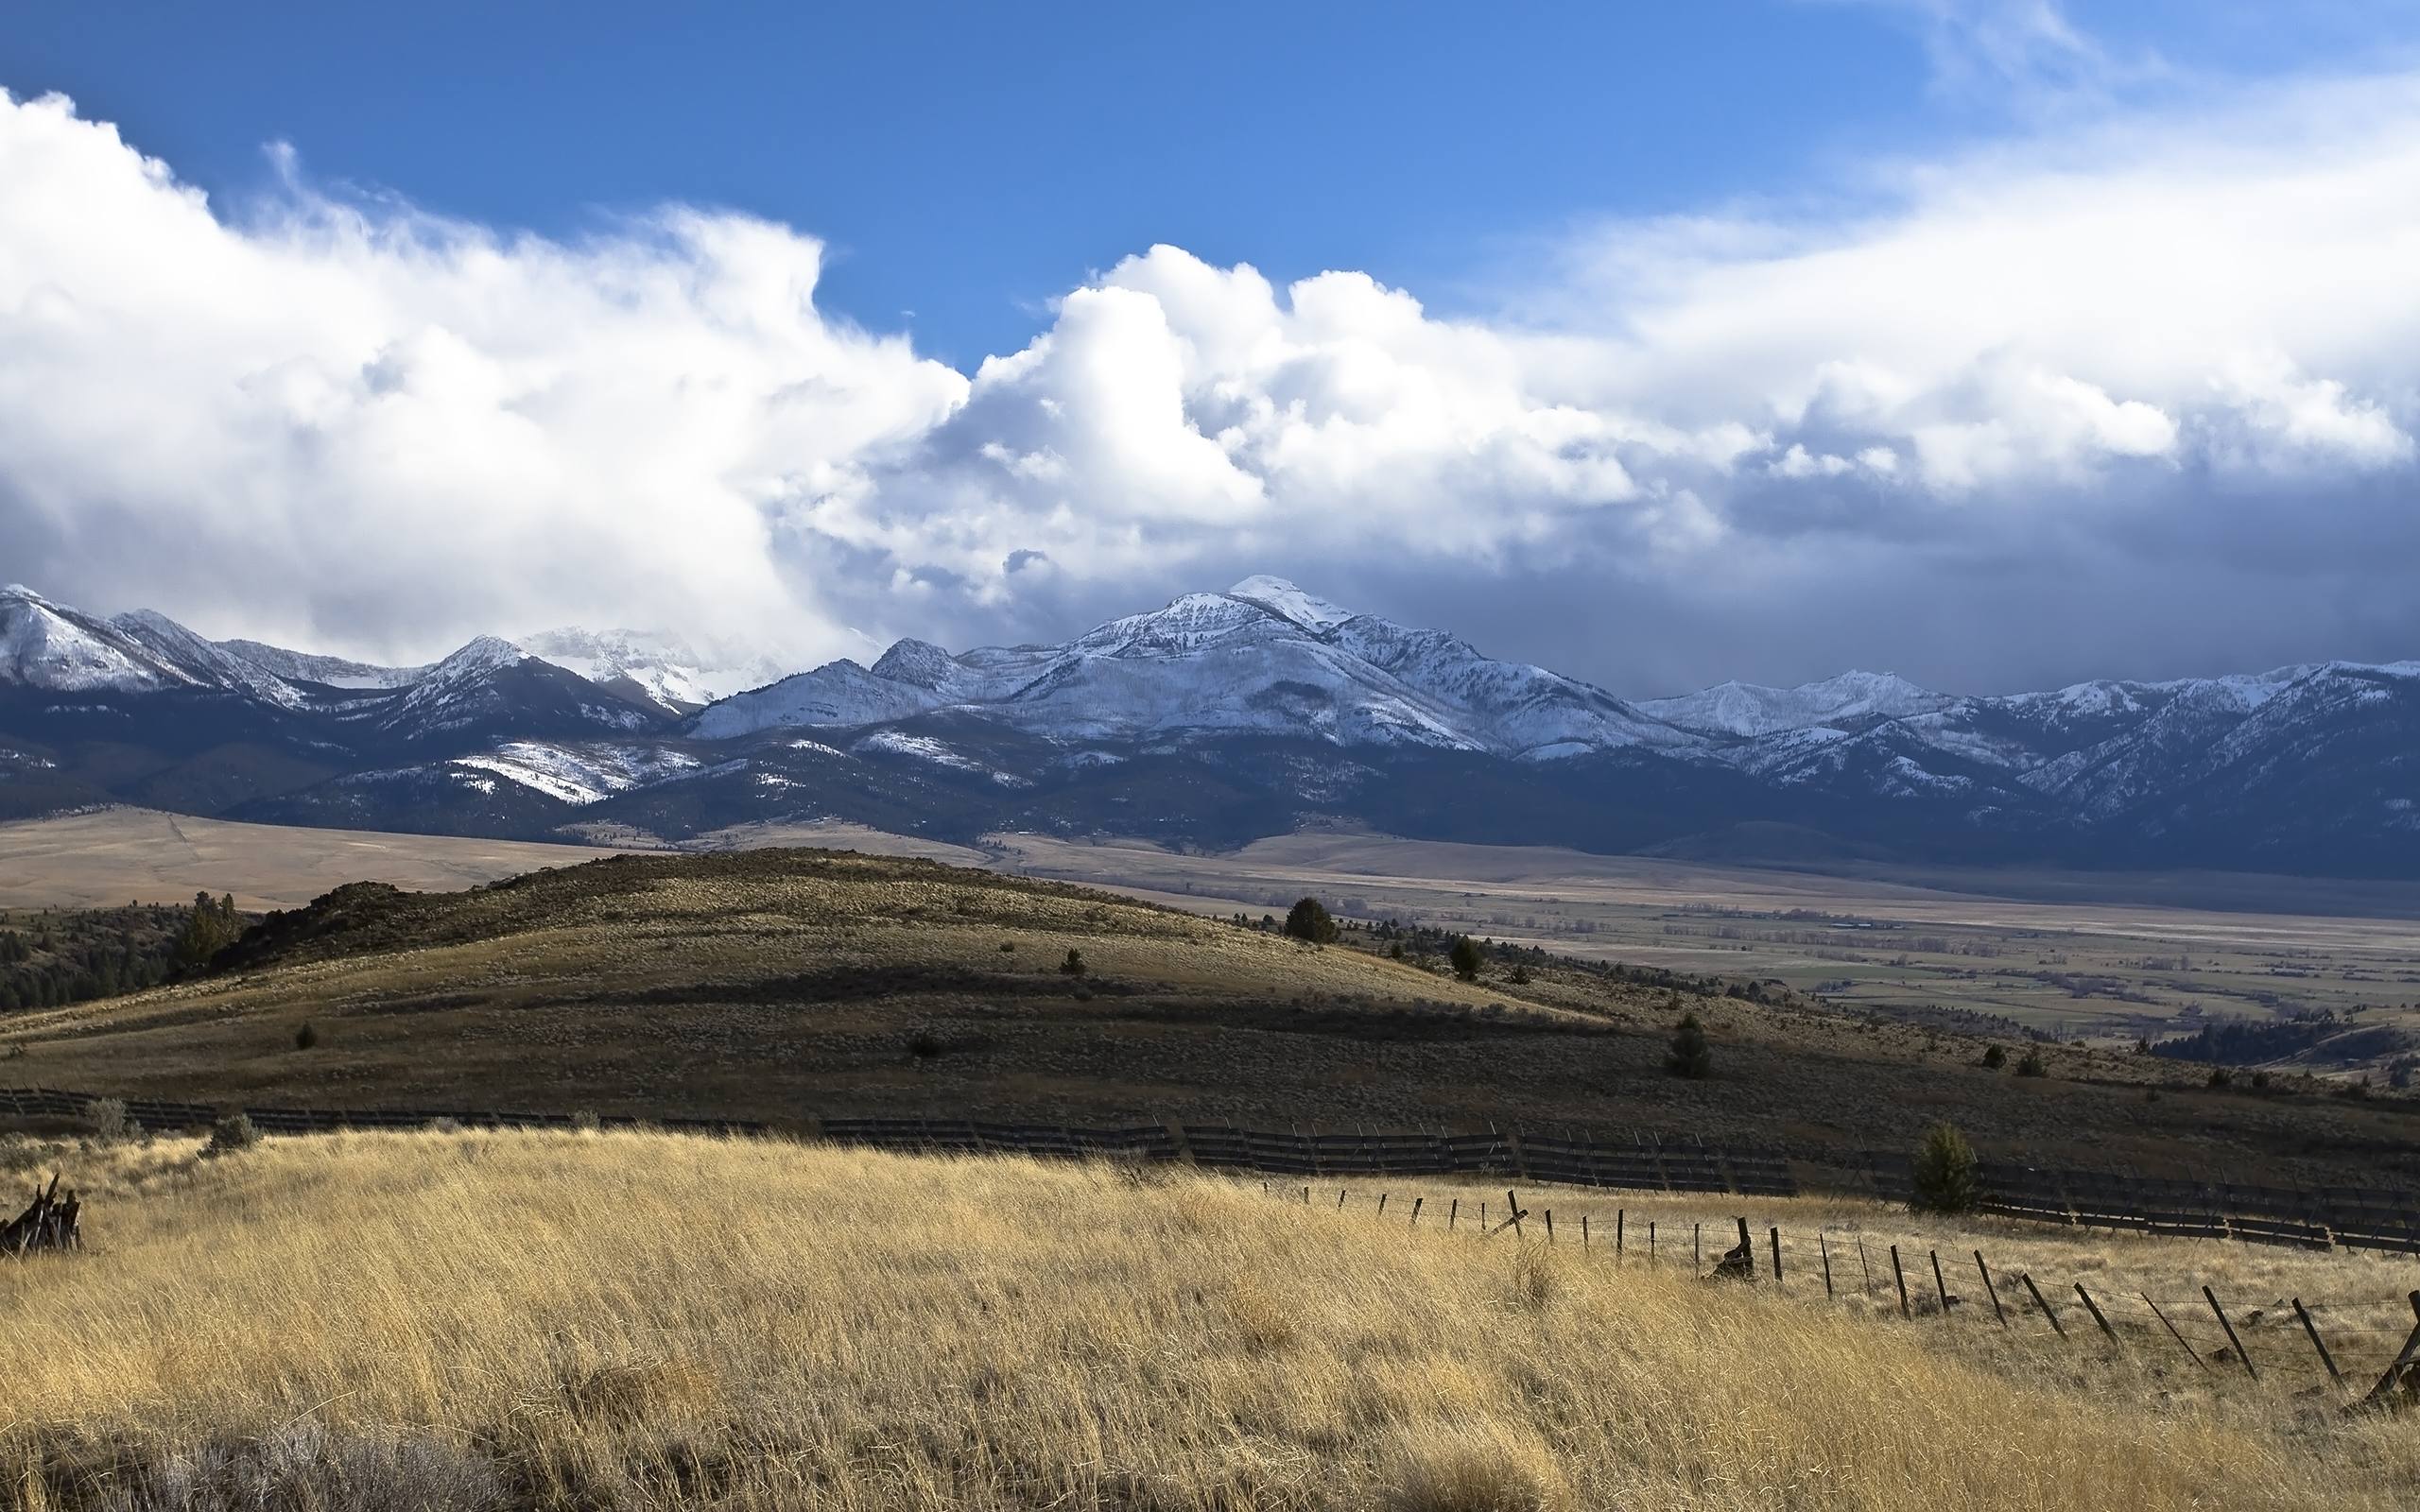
x=625, y=1320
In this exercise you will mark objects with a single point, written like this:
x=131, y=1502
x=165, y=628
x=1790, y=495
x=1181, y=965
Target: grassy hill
x=794, y=984
x=632, y=1320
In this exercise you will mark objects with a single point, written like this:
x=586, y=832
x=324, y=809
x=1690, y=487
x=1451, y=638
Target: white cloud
x=350, y=423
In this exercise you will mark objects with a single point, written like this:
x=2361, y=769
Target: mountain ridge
x=1212, y=718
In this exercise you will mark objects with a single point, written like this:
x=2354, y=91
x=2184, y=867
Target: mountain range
x=1214, y=719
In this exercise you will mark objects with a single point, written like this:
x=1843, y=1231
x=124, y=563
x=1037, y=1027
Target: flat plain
x=2106, y=958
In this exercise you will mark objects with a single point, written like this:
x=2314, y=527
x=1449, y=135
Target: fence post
x=1989, y=1290
x=1453, y=1214
x=2212, y=1297
x=1650, y=1239
x=2042, y=1302
x=1339, y=1199
x=1512, y=1213
x=1306, y=1196
x=2172, y=1330
x=1382, y=1204
x=1618, y=1214
x=1901, y=1277
x=2094, y=1308
x=1696, y=1246
x=1776, y=1240
x=1864, y=1263
x=1416, y=1211
x=1938, y=1289
x=2317, y=1342
x=1549, y=1225
x=1583, y=1231
x=1823, y=1246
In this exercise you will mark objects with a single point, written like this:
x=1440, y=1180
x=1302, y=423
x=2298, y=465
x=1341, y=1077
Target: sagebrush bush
x=232, y=1131
x=105, y=1118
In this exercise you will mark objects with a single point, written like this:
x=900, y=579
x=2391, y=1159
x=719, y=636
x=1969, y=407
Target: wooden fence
x=2318, y=1217
x=2312, y=1217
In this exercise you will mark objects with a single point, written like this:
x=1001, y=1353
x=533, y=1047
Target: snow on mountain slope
x=44, y=645
x=328, y=671
x=1264, y=658
x=1282, y=597
x=662, y=668
x=579, y=774
x=492, y=685
x=1746, y=710
x=203, y=660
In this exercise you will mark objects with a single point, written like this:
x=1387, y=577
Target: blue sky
x=970, y=163
x=1661, y=343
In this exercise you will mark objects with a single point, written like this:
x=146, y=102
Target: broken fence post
x=1991, y=1291
x=2317, y=1342
x=1824, y=1247
x=1901, y=1277
x=2042, y=1302
x=2212, y=1297
x=2094, y=1308
x=2172, y=1330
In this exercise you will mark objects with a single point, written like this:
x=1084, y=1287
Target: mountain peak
x=920, y=662
x=1284, y=599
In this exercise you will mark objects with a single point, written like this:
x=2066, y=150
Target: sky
x=1998, y=344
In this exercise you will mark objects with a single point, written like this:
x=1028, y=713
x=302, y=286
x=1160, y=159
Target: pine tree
x=1309, y=920
x=1466, y=958
x=1947, y=1176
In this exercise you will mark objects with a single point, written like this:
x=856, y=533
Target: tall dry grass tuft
x=613, y=1319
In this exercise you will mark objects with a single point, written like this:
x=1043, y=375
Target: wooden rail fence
x=2316, y=1217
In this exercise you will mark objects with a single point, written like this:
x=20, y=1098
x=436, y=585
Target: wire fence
x=2342, y=1343
x=2309, y=1217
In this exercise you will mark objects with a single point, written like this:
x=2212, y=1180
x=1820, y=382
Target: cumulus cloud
x=2121, y=369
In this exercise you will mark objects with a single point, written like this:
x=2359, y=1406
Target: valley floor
x=636, y=1320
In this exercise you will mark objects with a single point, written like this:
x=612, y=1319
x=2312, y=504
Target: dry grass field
x=635, y=1320
x=790, y=986
x=2107, y=958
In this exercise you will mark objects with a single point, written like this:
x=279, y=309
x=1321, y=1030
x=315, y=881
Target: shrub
x=1309, y=920
x=305, y=1037
x=1466, y=958
x=1074, y=963
x=2220, y=1078
x=232, y=1131
x=1520, y=977
x=1471, y=1464
x=105, y=1118
x=1947, y=1179
x=586, y=1121
x=1690, y=1055
x=2033, y=1065
x=1994, y=1058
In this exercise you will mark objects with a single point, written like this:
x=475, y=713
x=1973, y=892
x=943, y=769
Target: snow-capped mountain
x=50, y=646
x=661, y=668
x=1214, y=718
x=1263, y=659
x=327, y=671
x=1746, y=710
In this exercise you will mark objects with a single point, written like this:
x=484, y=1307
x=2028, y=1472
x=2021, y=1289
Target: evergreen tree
x=1690, y=1055
x=1466, y=958
x=1309, y=920
x=1947, y=1177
